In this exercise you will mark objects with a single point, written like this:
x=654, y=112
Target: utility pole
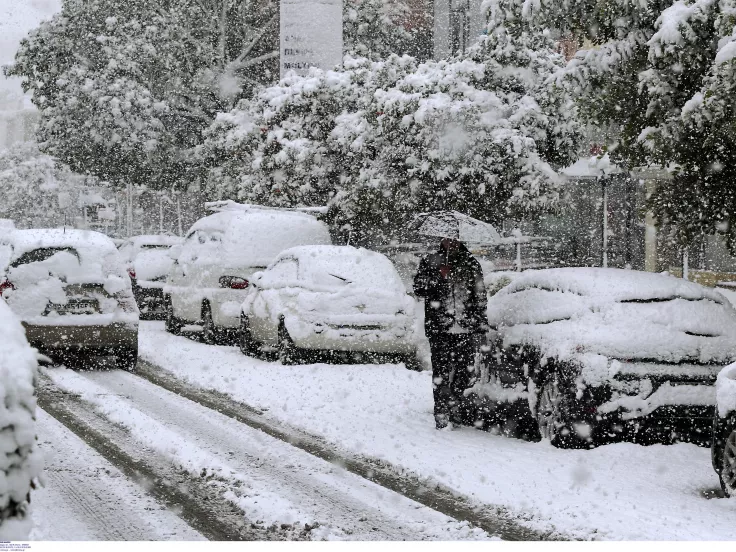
x=178, y=214
x=161, y=213
x=605, y=223
x=130, y=209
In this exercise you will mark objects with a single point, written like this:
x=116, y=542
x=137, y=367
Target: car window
x=41, y=254
x=6, y=252
x=154, y=246
x=283, y=271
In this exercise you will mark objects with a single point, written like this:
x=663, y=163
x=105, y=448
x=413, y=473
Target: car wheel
x=211, y=334
x=558, y=415
x=728, y=464
x=289, y=354
x=126, y=359
x=245, y=338
x=412, y=362
x=173, y=324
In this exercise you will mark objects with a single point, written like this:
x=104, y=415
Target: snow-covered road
x=272, y=482
x=87, y=498
x=621, y=491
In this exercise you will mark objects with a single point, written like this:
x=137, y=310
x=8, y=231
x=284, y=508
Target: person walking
x=451, y=283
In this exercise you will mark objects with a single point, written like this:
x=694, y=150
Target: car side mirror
x=174, y=252
x=256, y=279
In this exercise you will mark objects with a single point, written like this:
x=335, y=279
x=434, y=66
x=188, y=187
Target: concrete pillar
x=650, y=233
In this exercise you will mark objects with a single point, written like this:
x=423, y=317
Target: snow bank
x=593, y=314
x=20, y=462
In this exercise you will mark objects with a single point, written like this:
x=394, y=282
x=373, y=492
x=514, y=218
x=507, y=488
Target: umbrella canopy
x=451, y=224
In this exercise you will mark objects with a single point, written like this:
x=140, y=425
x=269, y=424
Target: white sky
x=17, y=17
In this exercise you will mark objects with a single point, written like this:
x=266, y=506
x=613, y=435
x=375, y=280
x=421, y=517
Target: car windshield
x=362, y=271
x=41, y=254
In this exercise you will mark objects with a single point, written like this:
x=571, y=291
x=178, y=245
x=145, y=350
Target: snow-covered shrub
x=20, y=461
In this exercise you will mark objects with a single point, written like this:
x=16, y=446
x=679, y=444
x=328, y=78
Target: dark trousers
x=452, y=365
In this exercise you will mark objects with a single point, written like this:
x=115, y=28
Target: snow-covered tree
x=376, y=28
x=37, y=191
x=381, y=140
x=660, y=77
x=126, y=88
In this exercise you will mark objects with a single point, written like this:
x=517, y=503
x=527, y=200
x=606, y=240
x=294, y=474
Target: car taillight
x=131, y=273
x=5, y=285
x=233, y=282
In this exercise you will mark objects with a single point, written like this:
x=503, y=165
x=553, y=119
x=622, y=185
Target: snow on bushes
x=20, y=461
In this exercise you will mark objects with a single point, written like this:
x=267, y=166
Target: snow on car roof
x=155, y=239
x=256, y=237
x=619, y=314
x=81, y=240
x=612, y=283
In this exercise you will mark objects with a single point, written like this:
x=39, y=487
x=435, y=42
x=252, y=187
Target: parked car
x=584, y=355
x=149, y=263
x=214, y=265
x=723, y=448
x=329, y=299
x=70, y=290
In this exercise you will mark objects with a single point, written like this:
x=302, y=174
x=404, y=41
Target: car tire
x=211, y=334
x=289, y=354
x=172, y=323
x=727, y=472
x=412, y=362
x=558, y=412
x=126, y=359
x=245, y=339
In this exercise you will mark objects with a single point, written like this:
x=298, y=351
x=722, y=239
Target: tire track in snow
x=81, y=487
x=193, y=499
x=493, y=520
x=269, y=471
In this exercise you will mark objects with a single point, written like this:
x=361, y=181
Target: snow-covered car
x=329, y=299
x=149, y=263
x=22, y=461
x=580, y=355
x=723, y=447
x=221, y=252
x=71, y=292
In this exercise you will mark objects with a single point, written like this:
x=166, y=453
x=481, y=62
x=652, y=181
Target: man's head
x=449, y=244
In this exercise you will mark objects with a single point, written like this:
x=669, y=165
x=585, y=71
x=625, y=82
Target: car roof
x=155, y=239
x=613, y=284
x=28, y=240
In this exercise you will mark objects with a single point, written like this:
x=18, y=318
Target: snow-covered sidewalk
x=620, y=491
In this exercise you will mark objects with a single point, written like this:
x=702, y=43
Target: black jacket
x=453, y=300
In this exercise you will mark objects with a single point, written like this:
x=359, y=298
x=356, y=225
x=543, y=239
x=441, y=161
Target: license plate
x=75, y=307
